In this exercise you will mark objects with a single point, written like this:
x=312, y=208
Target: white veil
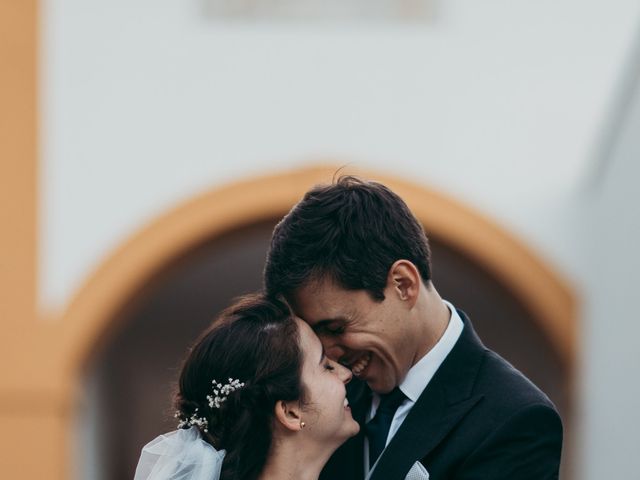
x=179, y=455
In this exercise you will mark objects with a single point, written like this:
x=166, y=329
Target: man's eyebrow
x=321, y=324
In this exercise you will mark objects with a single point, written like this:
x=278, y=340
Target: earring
x=302, y=424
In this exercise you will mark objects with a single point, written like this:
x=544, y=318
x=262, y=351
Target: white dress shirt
x=418, y=378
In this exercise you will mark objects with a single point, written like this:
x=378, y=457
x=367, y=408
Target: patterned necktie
x=377, y=428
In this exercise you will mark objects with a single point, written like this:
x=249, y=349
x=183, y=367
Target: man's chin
x=381, y=388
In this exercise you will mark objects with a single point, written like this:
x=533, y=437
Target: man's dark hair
x=351, y=232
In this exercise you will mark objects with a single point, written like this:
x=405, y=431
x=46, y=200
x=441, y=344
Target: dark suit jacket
x=479, y=418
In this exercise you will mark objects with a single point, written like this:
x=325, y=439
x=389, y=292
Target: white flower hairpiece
x=221, y=392
x=200, y=422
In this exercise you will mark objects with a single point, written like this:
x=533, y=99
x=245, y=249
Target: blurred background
x=147, y=148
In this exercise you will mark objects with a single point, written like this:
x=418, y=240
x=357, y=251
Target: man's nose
x=332, y=349
x=344, y=374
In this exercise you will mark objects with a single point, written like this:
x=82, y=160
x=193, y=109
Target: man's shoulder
x=505, y=389
x=510, y=408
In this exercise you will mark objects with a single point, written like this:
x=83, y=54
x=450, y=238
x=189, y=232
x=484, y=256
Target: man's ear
x=289, y=415
x=404, y=280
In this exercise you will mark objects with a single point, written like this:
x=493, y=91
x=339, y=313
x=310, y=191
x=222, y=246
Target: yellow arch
x=59, y=348
x=243, y=203
x=91, y=312
x=41, y=360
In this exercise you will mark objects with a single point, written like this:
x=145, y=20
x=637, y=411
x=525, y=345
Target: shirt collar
x=423, y=371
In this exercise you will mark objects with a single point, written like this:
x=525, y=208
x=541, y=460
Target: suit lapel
x=424, y=428
x=440, y=407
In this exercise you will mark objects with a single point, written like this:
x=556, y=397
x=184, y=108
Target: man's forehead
x=314, y=296
x=318, y=311
x=322, y=289
x=310, y=310
x=302, y=298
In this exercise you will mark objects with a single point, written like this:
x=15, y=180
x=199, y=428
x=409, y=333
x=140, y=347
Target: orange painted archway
x=70, y=339
x=252, y=201
x=41, y=360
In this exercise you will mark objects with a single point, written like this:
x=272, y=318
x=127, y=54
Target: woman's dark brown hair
x=257, y=342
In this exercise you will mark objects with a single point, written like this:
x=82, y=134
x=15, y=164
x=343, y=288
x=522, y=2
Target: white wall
x=500, y=103
x=611, y=346
x=146, y=102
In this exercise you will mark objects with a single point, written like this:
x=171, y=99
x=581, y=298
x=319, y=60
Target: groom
x=432, y=400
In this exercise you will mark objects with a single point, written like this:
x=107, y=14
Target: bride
x=257, y=399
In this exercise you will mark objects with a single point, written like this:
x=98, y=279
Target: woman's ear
x=404, y=280
x=289, y=415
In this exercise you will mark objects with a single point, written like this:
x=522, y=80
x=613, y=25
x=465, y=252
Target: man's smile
x=359, y=364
